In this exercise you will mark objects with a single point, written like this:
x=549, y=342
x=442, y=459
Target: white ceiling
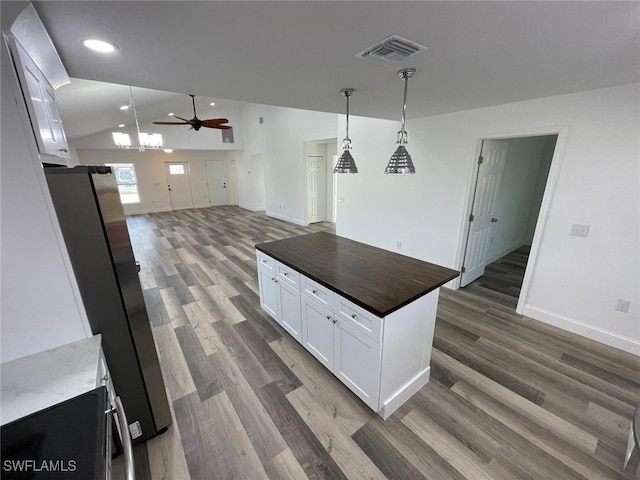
x=301, y=53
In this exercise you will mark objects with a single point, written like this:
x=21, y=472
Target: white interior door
x=232, y=184
x=490, y=168
x=179, y=185
x=217, y=182
x=315, y=183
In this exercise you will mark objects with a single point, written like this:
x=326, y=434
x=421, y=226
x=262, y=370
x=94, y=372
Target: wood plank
x=280, y=374
x=201, y=424
x=285, y=467
x=208, y=376
x=247, y=362
x=424, y=458
x=584, y=464
x=175, y=370
x=387, y=458
x=334, y=435
x=304, y=445
x=200, y=322
x=166, y=455
x=332, y=396
x=571, y=434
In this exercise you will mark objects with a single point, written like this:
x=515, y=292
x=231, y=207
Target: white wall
x=280, y=139
x=41, y=306
x=151, y=176
x=575, y=281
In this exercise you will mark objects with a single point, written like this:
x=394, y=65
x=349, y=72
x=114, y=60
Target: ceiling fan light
x=346, y=163
x=100, y=46
x=400, y=162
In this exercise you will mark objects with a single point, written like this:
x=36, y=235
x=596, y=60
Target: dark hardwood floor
x=509, y=397
x=503, y=278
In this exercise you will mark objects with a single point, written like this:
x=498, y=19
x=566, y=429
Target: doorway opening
x=511, y=177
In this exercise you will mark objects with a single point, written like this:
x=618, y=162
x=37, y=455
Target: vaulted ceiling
x=301, y=53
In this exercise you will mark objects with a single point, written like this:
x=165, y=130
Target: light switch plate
x=578, y=230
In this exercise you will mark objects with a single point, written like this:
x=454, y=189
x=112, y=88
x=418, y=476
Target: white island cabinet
x=379, y=348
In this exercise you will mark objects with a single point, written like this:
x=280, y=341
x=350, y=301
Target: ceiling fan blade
x=214, y=122
x=170, y=123
x=221, y=127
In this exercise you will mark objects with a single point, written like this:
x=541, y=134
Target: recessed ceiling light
x=168, y=150
x=121, y=125
x=170, y=114
x=124, y=107
x=100, y=46
x=212, y=104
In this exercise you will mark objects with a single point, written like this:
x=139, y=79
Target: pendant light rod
x=405, y=74
x=346, y=93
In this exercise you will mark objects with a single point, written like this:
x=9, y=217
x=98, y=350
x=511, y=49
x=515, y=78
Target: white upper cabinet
x=40, y=100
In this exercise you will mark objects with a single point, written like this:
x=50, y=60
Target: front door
x=315, y=169
x=490, y=168
x=216, y=182
x=179, y=185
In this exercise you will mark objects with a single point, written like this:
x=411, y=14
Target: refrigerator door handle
x=126, y=441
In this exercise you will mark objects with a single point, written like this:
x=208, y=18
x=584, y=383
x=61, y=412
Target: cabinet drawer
x=316, y=292
x=265, y=261
x=358, y=318
x=288, y=275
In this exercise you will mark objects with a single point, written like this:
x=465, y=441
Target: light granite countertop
x=38, y=381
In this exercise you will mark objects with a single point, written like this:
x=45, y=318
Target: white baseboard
x=251, y=209
x=286, y=219
x=201, y=205
x=589, y=331
x=394, y=402
x=504, y=252
x=142, y=211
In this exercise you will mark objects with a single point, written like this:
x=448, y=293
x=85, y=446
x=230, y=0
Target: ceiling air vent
x=391, y=50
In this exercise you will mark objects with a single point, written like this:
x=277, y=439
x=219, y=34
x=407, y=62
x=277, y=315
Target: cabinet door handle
x=286, y=274
x=315, y=292
x=494, y=220
x=328, y=317
x=354, y=316
x=264, y=261
x=335, y=321
x=273, y=279
x=63, y=150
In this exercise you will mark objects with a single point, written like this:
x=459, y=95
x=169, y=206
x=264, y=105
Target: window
x=125, y=175
x=176, y=169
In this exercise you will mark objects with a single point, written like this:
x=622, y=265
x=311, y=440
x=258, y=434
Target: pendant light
x=346, y=163
x=401, y=160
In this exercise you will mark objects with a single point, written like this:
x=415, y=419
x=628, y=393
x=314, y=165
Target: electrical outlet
x=578, y=230
x=622, y=305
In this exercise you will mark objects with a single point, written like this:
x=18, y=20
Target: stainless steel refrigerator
x=93, y=223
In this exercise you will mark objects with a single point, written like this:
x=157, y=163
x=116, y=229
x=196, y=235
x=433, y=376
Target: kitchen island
x=367, y=314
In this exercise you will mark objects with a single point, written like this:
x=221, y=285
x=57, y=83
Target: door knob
x=494, y=220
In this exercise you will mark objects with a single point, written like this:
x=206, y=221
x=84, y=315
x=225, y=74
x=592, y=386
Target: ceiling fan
x=196, y=123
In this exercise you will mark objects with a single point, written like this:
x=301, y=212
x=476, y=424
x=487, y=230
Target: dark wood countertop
x=378, y=280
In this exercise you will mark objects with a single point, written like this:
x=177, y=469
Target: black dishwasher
x=70, y=440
